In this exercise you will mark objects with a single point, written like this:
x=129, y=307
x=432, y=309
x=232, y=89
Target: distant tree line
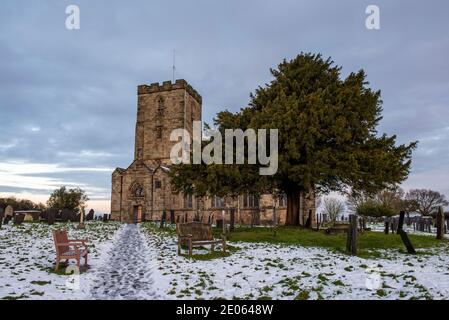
x=21, y=204
x=391, y=201
x=62, y=198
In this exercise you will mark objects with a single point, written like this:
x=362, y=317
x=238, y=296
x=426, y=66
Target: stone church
x=142, y=191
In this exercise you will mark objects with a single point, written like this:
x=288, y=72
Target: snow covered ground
x=27, y=260
x=265, y=271
x=133, y=262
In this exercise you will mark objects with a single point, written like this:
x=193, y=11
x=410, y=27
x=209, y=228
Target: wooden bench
x=69, y=249
x=338, y=227
x=196, y=234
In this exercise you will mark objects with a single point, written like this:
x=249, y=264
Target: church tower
x=142, y=191
x=160, y=110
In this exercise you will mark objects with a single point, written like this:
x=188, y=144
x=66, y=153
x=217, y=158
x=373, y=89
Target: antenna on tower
x=174, y=64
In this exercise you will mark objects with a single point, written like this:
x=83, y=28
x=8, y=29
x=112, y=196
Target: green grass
x=367, y=241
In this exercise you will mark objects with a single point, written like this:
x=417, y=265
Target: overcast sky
x=68, y=98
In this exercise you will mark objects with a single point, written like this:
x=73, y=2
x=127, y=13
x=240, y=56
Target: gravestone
x=172, y=216
x=51, y=216
x=7, y=219
x=105, y=217
x=387, y=226
x=90, y=215
x=9, y=211
x=405, y=239
x=18, y=219
x=36, y=216
x=2, y=215
x=163, y=219
x=66, y=214
x=219, y=223
x=440, y=223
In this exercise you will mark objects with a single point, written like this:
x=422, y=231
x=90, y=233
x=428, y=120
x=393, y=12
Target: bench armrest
x=79, y=241
x=75, y=245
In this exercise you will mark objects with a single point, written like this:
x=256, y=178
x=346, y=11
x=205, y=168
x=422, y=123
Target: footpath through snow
x=128, y=272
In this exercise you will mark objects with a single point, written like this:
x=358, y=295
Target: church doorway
x=137, y=214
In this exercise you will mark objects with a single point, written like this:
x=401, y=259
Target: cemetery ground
x=287, y=264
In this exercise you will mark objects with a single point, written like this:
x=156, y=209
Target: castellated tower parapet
x=162, y=108
x=168, y=86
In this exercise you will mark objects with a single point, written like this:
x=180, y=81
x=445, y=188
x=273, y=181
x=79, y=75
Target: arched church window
x=188, y=201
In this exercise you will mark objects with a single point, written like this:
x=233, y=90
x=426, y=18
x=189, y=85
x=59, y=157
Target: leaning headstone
x=51, y=216
x=18, y=219
x=405, y=239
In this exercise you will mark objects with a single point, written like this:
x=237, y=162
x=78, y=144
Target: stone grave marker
x=18, y=219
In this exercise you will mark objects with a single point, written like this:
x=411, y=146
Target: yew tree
x=328, y=138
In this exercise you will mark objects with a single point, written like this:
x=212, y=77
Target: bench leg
x=85, y=260
x=57, y=264
x=179, y=247
x=190, y=248
x=224, y=246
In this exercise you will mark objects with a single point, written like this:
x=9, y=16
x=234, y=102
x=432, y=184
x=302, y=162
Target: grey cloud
x=79, y=87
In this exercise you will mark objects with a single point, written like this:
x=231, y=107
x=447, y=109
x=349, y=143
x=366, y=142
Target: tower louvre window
x=157, y=184
x=160, y=107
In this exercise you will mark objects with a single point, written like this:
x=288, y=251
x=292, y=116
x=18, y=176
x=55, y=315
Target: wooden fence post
x=440, y=224
x=351, y=243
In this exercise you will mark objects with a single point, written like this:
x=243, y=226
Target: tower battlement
x=168, y=86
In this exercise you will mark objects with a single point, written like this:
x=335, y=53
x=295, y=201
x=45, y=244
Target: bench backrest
x=198, y=230
x=60, y=236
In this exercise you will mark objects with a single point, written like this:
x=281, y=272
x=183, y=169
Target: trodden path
x=127, y=273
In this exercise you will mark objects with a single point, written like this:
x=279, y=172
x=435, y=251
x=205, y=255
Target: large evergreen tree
x=328, y=139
